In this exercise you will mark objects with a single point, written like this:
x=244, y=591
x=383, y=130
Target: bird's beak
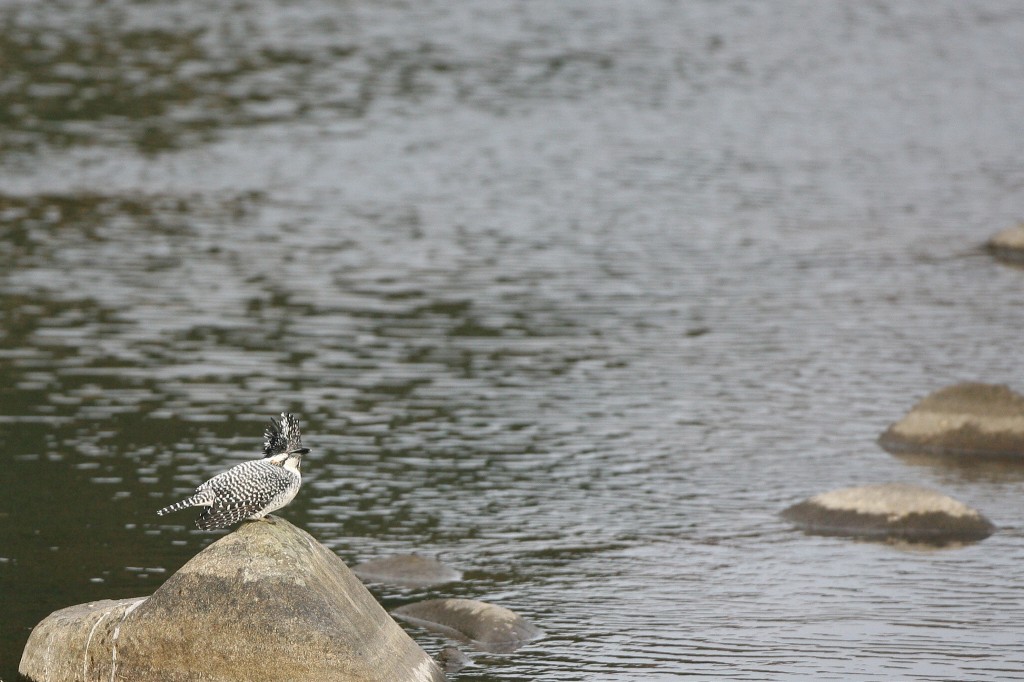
x=300, y=451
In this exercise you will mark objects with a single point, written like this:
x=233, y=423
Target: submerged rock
x=485, y=626
x=892, y=511
x=265, y=602
x=968, y=421
x=452, y=660
x=407, y=570
x=1008, y=245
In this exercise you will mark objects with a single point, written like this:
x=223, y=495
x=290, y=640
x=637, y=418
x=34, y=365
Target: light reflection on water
x=577, y=311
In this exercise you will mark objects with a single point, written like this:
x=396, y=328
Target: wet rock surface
x=891, y=511
x=452, y=660
x=265, y=588
x=965, y=421
x=407, y=570
x=485, y=626
x=1008, y=245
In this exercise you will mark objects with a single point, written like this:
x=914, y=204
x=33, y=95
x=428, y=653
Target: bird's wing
x=242, y=491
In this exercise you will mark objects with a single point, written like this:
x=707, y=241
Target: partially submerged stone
x=1008, y=245
x=452, y=660
x=265, y=602
x=968, y=421
x=485, y=626
x=891, y=511
x=407, y=570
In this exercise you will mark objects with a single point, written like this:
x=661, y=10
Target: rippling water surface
x=574, y=296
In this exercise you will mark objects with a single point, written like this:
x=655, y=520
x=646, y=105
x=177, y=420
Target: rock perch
x=267, y=602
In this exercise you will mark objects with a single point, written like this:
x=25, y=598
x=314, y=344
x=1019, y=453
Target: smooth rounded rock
x=407, y=570
x=1008, y=245
x=967, y=421
x=485, y=626
x=891, y=511
x=265, y=602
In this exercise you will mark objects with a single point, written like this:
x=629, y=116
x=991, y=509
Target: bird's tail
x=200, y=499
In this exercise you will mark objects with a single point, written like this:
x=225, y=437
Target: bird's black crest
x=282, y=436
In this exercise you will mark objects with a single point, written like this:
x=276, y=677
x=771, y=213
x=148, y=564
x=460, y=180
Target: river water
x=573, y=296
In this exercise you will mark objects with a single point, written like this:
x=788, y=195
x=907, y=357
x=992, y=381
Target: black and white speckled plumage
x=282, y=436
x=253, y=489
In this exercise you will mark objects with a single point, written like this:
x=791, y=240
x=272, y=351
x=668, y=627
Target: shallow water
x=574, y=296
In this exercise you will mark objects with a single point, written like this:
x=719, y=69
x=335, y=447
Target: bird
x=252, y=489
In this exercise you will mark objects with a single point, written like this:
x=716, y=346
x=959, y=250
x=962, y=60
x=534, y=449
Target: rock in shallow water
x=265, y=602
x=485, y=626
x=967, y=422
x=891, y=511
x=452, y=660
x=407, y=570
x=1008, y=245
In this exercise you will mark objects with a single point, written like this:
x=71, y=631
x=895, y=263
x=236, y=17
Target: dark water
x=574, y=296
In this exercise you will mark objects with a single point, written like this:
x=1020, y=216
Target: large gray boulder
x=266, y=602
x=968, y=422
